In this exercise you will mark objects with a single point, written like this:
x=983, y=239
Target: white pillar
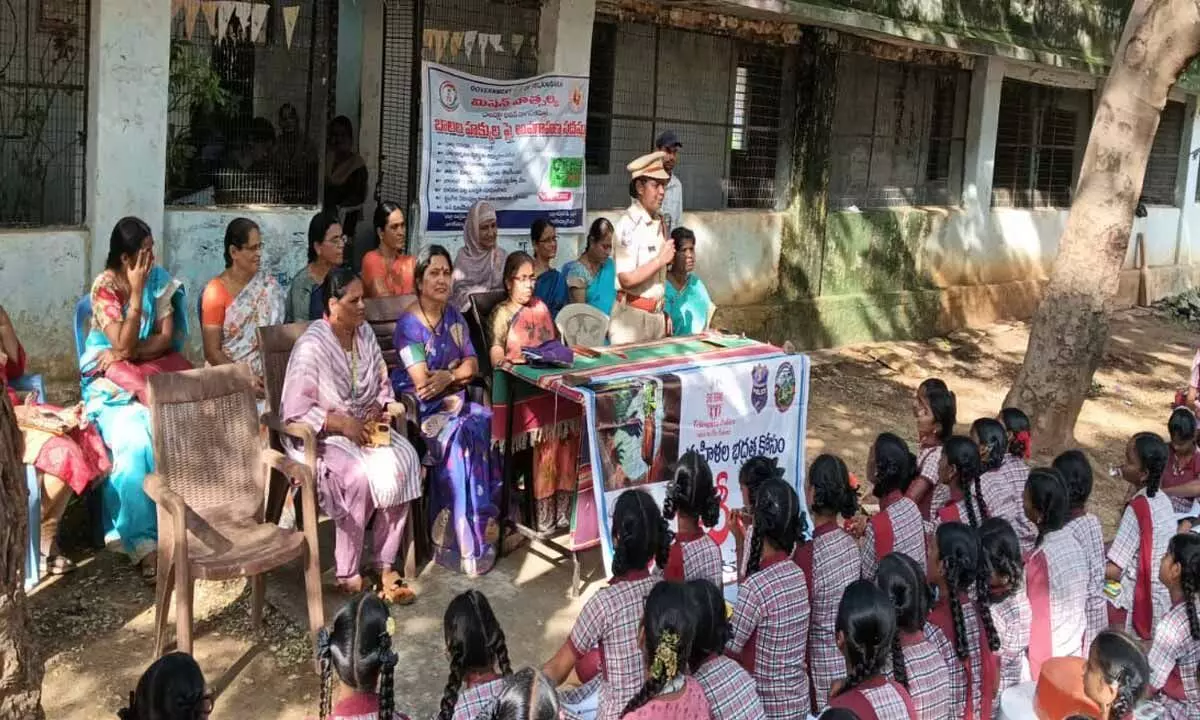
x=565, y=36
x=982, y=117
x=129, y=64
x=1185, y=184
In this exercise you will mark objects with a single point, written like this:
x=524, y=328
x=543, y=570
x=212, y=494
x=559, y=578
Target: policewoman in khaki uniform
x=641, y=254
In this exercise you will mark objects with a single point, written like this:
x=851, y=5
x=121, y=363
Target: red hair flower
x=1023, y=438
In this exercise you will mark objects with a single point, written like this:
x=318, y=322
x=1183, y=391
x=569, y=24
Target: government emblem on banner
x=758, y=388
x=785, y=386
x=716, y=402
x=448, y=95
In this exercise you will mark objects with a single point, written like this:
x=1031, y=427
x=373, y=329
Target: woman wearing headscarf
x=479, y=266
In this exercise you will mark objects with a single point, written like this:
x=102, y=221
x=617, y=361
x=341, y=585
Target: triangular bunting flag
x=517, y=42
x=495, y=40
x=484, y=41
x=440, y=39
x=210, y=17
x=456, y=41
x=191, y=9
x=176, y=6
x=258, y=20
x=225, y=10
x=469, y=43
x=243, y=11
x=290, y=15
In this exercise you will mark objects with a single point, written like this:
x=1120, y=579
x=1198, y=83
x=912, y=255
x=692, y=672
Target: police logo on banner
x=758, y=388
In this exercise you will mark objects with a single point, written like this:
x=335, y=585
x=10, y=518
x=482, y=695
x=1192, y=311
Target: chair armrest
x=168, y=500
x=297, y=472
x=302, y=475
x=297, y=431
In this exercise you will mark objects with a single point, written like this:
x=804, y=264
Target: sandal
x=394, y=591
x=149, y=566
x=352, y=585
x=57, y=564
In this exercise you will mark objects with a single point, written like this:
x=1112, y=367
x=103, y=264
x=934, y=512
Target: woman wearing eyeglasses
x=326, y=242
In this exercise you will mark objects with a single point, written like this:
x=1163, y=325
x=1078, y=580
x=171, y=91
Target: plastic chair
x=33, y=551
x=582, y=324
x=209, y=491
x=482, y=305
x=83, y=322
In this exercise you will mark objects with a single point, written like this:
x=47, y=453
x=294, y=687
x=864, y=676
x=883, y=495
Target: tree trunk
x=1070, y=328
x=20, y=667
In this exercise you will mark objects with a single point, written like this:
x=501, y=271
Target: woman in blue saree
x=592, y=279
x=139, y=323
x=438, y=362
x=551, y=285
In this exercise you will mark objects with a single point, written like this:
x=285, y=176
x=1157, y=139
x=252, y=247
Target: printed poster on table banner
x=638, y=427
x=516, y=143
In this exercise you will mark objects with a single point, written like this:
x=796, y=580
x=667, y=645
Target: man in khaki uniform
x=641, y=253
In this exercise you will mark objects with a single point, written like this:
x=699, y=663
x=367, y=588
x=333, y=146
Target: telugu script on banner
x=518, y=144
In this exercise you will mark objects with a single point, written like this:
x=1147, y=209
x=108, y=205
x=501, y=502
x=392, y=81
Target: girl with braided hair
x=830, y=561
x=613, y=616
x=753, y=473
x=527, y=695
x=959, y=470
x=866, y=630
x=1116, y=674
x=1075, y=469
x=1009, y=606
x=917, y=664
x=770, y=620
x=936, y=411
x=1175, y=655
x=1056, y=573
x=1181, y=480
x=960, y=624
x=172, y=688
x=1147, y=525
x=478, y=656
x=359, y=649
x=1002, y=493
x=692, y=500
x=898, y=526
x=729, y=688
x=669, y=692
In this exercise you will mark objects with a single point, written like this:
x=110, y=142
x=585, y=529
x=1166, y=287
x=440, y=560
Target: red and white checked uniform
x=1004, y=493
x=695, y=557
x=1177, y=473
x=1087, y=532
x=1012, y=618
x=610, y=620
x=965, y=693
x=477, y=699
x=929, y=460
x=926, y=672
x=730, y=690
x=1056, y=582
x=877, y=698
x=908, y=531
x=770, y=636
x=830, y=562
x=1174, y=661
x=1126, y=548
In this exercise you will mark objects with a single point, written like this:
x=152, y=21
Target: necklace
x=353, y=369
x=425, y=317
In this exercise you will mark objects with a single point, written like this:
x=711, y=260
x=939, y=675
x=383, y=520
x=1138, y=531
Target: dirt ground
x=96, y=625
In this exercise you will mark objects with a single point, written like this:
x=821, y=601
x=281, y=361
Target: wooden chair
x=210, y=489
x=382, y=314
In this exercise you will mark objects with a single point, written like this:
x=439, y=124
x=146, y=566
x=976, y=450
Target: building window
x=898, y=133
x=247, y=103
x=719, y=95
x=1040, y=137
x=43, y=112
x=1162, y=170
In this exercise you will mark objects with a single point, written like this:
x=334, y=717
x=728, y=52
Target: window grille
x=43, y=112
x=1162, y=170
x=1039, y=144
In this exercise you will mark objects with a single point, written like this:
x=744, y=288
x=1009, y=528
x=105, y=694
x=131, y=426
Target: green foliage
x=194, y=87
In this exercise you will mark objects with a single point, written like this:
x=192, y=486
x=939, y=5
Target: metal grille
x=899, y=131
x=1162, y=170
x=1037, y=144
x=43, y=111
x=719, y=95
x=247, y=102
x=487, y=38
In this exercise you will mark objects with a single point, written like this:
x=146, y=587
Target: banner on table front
x=517, y=144
x=638, y=427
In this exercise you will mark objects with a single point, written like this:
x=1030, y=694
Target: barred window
x=899, y=133
x=719, y=95
x=1040, y=138
x=247, y=102
x=43, y=112
x=1162, y=170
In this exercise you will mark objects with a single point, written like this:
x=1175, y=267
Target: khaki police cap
x=650, y=166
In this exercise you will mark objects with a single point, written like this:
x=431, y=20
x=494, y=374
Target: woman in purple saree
x=438, y=362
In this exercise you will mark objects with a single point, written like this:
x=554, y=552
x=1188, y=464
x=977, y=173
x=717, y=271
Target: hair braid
x=898, y=668
x=710, y=512
x=665, y=538
x=856, y=675
x=1191, y=596
x=983, y=606
x=453, y=685
x=323, y=656
x=983, y=508
x=498, y=647
x=1127, y=692
x=650, y=689
x=669, y=503
x=756, y=550
x=953, y=574
x=387, y=667
x=972, y=518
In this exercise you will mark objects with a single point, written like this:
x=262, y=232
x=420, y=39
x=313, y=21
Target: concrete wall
x=43, y=273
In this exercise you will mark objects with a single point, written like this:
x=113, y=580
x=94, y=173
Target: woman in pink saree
x=337, y=385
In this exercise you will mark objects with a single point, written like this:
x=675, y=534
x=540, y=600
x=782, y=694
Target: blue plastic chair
x=33, y=550
x=83, y=319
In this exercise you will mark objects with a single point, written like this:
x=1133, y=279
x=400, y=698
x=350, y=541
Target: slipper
x=149, y=566
x=394, y=591
x=57, y=564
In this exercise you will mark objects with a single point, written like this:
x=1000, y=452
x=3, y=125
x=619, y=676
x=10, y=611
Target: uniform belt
x=644, y=304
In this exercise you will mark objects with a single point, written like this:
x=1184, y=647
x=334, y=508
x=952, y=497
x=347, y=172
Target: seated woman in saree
x=336, y=384
x=686, y=301
x=438, y=363
x=65, y=461
x=479, y=266
x=551, y=286
x=387, y=271
x=325, y=251
x=592, y=279
x=523, y=321
x=239, y=301
x=139, y=324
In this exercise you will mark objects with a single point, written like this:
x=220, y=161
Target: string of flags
x=219, y=14
x=448, y=45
